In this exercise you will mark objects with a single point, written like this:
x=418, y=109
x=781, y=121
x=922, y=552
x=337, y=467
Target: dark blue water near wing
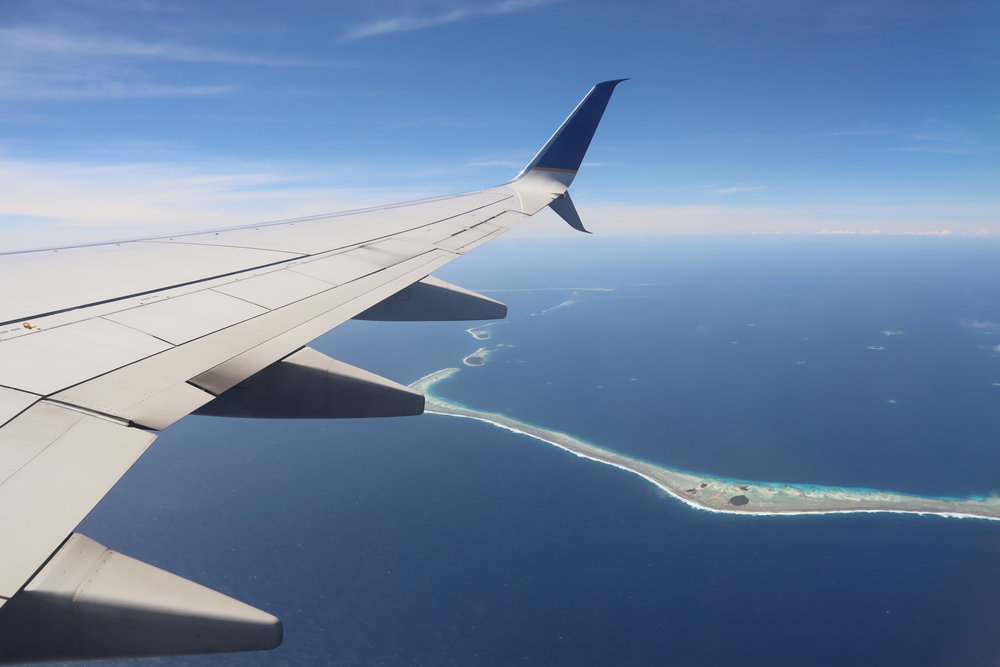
x=437, y=541
x=479, y=547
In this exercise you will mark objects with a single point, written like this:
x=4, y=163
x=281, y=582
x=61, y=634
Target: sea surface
x=867, y=362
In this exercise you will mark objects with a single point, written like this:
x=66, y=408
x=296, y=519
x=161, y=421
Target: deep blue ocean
x=438, y=541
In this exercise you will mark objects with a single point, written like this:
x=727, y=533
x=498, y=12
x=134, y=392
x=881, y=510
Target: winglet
x=563, y=205
x=563, y=152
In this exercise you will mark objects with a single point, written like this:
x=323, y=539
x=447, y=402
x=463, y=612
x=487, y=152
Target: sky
x=124, y=118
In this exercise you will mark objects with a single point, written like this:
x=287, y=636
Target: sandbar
x=481, y=332
x=478, y=358
x=720, y=494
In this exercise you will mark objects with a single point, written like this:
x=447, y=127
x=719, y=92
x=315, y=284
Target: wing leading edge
x=105, y=345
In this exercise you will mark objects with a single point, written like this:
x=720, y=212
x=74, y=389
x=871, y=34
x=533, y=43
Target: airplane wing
x=103, y=346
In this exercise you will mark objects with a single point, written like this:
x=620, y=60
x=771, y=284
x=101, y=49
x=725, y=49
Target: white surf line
x=722, y=495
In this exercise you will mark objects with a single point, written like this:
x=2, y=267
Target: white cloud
x=843, y=16
x=940, y=136
x=930, y=148
x=907, y=232
x=981, y=325
x=631, y=220
x=856, y=133
x=497, y=163
x=64, y=45
x=41, y=86
x=737, y=189
x=142, y=6
x=46, y=203
x=59, y=64
x=411, y=22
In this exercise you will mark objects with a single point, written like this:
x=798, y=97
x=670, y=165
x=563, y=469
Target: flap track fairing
x=310, y=385
x=90, y=602
x=434, y=300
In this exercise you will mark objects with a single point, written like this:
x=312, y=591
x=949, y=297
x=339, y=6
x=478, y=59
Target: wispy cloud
x=906, y=232
x=939, y=136
x=911, y=219
x=410, y=22
x=979, y=325
x=52, y=43
x=736, y=189
x=496, y=163
x=52, y=86
x=934, y=136
x=844, y=16
x=45, y=202
x=143, y=6
x=935, y=148
x=856, y=133
x=59, y=64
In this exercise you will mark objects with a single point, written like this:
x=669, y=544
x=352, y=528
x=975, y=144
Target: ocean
x=437, y=541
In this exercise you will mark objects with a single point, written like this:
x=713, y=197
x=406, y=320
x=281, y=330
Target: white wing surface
x=102, y=346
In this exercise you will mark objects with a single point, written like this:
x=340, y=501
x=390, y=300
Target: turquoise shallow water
x=711, y=492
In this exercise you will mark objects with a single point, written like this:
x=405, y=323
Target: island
x=710, y=492
x=481, y=332
x=565, y=304
x=477, y=358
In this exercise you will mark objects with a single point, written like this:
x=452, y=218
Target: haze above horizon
x=130, y=119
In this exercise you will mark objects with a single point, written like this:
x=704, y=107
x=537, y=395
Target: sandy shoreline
x=719, y=494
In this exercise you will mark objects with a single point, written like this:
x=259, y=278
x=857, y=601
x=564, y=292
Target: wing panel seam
x=28, y=318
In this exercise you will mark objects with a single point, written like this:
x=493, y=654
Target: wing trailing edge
x=308, y=384
x=434, y=300
x=214, y=310
x=90, y=602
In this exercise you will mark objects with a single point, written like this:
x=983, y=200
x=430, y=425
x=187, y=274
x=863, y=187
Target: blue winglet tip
x=565, y=149
x=610, y=83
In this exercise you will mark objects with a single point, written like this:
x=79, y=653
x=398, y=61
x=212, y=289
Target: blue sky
x=121, y=118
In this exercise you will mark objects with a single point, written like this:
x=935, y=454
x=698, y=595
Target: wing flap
x=306, y=236
x=187, y=317
x=91, y=602
x=275, y=289
x=464, y=240
x=329, y=314
x=50, y=281
x=13, y=403
x=160, y=389
x=310, y=385
x=336, y=269
x=58, y=463
x=49, y=360
x=388, y=252
x=432, y=299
